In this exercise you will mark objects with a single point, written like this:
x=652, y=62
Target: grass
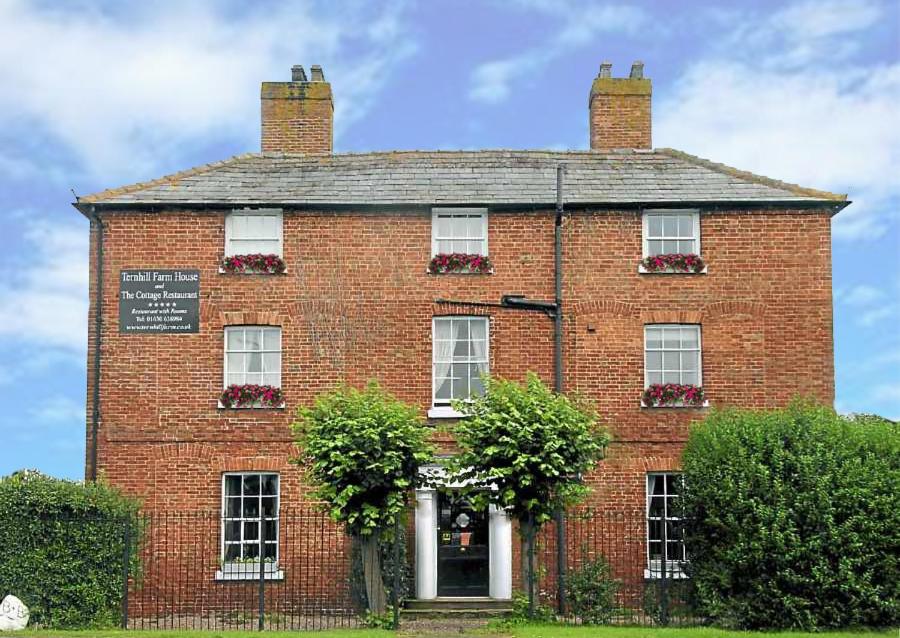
x=558, y=631
x=166, y=633
x=521, y=631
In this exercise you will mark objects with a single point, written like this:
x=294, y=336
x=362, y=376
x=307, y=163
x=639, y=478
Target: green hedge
x=63, y=549
x=793, y=518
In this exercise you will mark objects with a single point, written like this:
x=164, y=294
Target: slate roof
x=459, y=177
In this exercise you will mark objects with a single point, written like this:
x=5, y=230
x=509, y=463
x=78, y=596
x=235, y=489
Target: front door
x=463, y=568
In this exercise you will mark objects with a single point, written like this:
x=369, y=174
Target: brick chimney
x=298, y=116
x=620, y=110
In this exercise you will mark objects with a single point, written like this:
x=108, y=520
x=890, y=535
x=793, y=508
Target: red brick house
x=171, y=327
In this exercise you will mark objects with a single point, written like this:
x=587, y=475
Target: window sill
x=250, y=573
x=222, y=271
x=676, y=406
x=656, y=574
x=222, y=406
x=444, y=412
x=644, y=271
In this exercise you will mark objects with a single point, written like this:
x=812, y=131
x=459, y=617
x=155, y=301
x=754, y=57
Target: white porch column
x=426, y=545
x=500, y=546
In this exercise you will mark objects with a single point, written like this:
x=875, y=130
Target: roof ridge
x=171, y=178
x=753, y=177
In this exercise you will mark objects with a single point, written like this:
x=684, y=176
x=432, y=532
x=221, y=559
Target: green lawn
x=557, y=631
x=165, y=633
x=524, y=631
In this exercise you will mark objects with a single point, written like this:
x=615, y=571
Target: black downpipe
x=558, y=379
x=98, y=331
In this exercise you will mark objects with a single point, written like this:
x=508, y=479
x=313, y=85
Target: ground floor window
x=665, y=536
x=249, y=499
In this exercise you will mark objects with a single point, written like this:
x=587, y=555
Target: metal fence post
x=664, y=588
x=561, y=559
x=126, y=564
x=396, y=592
x=262, y=570
x=531, y=575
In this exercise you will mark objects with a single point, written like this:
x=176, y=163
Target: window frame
x=699, y=350
x=261, y=351
x=436, y=212
x=249, y=570
x=439, y=410
x=249, y=212
x=652, y=212
x=674, y=568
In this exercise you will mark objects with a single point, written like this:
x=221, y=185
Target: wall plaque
x=153, y=301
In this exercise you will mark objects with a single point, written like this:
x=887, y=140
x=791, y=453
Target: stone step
x=459, y=604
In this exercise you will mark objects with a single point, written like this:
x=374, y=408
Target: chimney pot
x=298, y=74
x=316, y=74
x=605, y=69
x=637, y=70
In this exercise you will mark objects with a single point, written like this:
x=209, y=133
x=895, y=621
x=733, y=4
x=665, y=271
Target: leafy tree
x=530, y=445
x=363, y=449
x=793, y=518
x=63, y=545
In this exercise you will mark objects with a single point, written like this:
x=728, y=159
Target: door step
x=458, y=607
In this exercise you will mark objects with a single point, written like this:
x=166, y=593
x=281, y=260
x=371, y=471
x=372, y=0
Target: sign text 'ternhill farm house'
x=159, y=301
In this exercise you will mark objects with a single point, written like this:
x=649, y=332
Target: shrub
x=592, y=592
x=63, y=546
x=793, y=518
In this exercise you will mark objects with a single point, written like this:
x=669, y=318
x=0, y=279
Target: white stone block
x=13, y=614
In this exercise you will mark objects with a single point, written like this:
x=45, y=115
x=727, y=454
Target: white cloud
x=862, y=295
x=492, y=82
x=59, y=409
x=128, y=92
x=45, y=303
x=887, y=392
x=785, y=104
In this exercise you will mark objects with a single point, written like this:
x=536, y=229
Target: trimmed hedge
x=793, y=518
x=63, y=548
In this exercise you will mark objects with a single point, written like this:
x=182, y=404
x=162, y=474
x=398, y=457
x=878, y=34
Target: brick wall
x=356, y=303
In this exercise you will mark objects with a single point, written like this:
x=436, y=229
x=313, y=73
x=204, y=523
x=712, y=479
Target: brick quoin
x=356, y=304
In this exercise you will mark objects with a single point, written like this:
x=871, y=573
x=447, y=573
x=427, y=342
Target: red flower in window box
x=460, y=262
x=673, y=394
x=675, y=262
x=251, y=395
x=258, y=263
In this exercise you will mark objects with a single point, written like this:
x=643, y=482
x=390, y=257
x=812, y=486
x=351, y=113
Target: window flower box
x=673, y=263
x=460, y=263
x=257, y=264
x=673, y=395
x=251, y=396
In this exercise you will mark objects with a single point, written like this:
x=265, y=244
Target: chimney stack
x=298, y=116
x=619, y=110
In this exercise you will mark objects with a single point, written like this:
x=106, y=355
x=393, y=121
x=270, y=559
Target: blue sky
x=99, y=94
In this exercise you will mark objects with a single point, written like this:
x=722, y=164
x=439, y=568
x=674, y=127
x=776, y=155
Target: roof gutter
x=411, y=207
x=90, y=212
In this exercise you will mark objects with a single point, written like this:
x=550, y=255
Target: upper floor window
x=460, y=357
x=253, y=232
x=665, y=537
x=671, y=232
x=249, y=500
x=253, y=355
x=672, y=354
x=459, y=230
